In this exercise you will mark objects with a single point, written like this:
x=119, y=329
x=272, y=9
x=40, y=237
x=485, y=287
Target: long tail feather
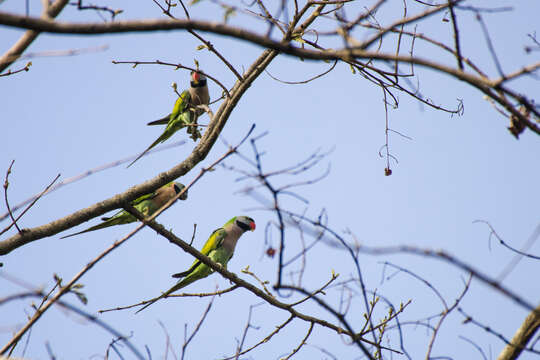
x=182, y=274
x=95, y=227
x=150, y=303
x=163, y=121
x=176, y=287
x=145, y=151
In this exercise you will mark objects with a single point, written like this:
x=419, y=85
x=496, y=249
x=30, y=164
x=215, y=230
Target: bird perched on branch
x=185, y=112
x=219, y=247
x=145, y=204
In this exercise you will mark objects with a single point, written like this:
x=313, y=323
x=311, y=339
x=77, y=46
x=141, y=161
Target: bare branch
x=456, y=35
x=197, y=327
x=24, y=42
x=35, y=199
x=522, y=336
x=6, y=185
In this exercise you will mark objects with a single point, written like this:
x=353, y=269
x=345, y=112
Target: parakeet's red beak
x=252, y=226
x=196, y=77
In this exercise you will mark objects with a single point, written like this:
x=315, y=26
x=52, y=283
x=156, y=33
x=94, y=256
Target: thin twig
x=6, y=185
x=302, y=343
x=176, y=66
x=31, y=204
x=456, y=35
x=444, y=314
x=303, y=81
x=490, y=44
x=197, y=327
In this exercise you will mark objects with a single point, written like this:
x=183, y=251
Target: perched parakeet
x=146, y=205
x=219, y=247
x=184, y=112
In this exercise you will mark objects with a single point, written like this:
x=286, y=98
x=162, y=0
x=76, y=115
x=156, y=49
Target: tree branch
x=24, y=42
x=522, y=336
x=284, y=46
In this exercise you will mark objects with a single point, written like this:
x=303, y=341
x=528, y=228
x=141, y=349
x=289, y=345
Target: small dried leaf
x=516, y=125
x=229, y=12
x=270, y=252
x=82, y=297
x=57, y=278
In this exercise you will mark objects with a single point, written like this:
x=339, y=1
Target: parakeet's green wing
x=213, y=242
x=181, y=104
x=150, y=196
x=141, y=198
x=173, y=125
x=137, y=201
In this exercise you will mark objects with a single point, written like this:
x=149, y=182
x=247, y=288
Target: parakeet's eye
x=243, y=225
x=178, y=189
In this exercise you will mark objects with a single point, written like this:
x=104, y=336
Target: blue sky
x=73, y=113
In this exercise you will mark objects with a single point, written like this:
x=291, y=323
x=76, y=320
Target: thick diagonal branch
x=522, y=336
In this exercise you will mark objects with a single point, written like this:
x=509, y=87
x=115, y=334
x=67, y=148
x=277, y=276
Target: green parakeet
x=184, y=112
x=146, y=205
x=219, y=247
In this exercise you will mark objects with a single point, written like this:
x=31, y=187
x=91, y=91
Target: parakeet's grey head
x=197, y=79
x=245, y=223
x=178, y=187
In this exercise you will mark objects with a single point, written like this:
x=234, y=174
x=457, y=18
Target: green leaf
x=81, y=297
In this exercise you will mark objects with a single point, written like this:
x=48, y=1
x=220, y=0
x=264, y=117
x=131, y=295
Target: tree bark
x=522, y=336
